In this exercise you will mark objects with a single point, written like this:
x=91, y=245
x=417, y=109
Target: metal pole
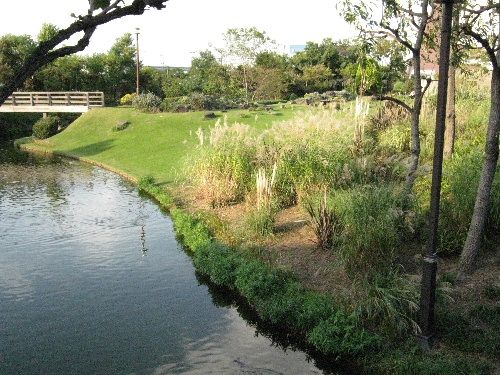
x=137, y=60
x=428, y=291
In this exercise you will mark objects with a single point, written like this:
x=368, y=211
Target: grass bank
x=150, y=145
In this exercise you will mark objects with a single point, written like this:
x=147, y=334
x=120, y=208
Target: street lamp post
x=428, y=290
x=137, y=60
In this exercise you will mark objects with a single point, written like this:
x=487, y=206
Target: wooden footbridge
x=47, y=102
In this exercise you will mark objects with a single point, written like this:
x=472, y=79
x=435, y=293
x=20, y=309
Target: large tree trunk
x=481, y=207
x=415, y=124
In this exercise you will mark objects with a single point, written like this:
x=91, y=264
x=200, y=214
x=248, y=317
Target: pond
x=93, y=281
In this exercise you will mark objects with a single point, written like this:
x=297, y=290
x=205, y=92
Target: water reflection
x=279, y=337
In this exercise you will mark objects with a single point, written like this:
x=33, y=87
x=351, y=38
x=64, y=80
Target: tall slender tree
x=406, y=22
x=481, y=24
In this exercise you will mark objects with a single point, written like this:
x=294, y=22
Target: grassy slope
x=153, y=144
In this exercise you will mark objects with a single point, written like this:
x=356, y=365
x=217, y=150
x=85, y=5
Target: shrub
x=147, y=103
x=374, y=220
x=194, y=233
x=341, y=335
x=127, y=99
x=389, y=302
x=256, y=281
x=46, y=127
x=223, y=168
x=458, y=194
x=261, y=220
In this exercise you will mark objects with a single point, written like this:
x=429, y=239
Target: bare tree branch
x=397, y=101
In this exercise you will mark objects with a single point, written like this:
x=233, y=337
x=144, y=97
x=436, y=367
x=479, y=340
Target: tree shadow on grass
x=92, y=149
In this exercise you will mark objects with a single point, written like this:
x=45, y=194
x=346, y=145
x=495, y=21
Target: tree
x=450, y=129
x=14, y=51
x=99, y=12
x=333, y=55
x=482, y=26
x=242, y=47
x=121, y=68
x=406, y=22
x=317, y=78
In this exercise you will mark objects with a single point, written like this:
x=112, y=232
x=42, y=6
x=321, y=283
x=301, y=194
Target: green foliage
x=477, y=331
x=46, y=127
x=458, y=193
x=408, y=359
x=396, y=138
x=316, y=78
x=389, y=302
x=341, y=334
x=193, y=232
x=147, y=185
x=47, y=32
x=219, y=263
x=127, y=99
x=261, y=220
x=492, y=292
x=16, y=125
x=374, y=219
x=256, y=281
x=14, y=50
x=147, y=103
x=363, y=76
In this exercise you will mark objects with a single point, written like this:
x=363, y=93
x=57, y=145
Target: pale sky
x=173, y=35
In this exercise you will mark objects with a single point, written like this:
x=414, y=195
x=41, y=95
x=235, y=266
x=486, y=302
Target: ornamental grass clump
x=223, y=169
x=374, y=219
x=262, y=217
x=325, y=222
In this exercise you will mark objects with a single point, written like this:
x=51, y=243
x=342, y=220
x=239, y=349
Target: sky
x=172, y=36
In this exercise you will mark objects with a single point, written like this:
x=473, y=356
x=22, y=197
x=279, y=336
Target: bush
x=127, y=99
x=256, y=281
x=374, y=220
x=46, y=127
x=341, y=335
x=261, y=220
x=147, y=103
x=458, y=194
x=389, y=302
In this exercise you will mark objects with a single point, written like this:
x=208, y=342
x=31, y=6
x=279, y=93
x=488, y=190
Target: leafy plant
x=127, y=99
x=147, y=102
x=389, y=302
x=46, y=127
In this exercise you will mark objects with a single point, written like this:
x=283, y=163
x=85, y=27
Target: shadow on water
x=92, y=149
x=280, y=337
x=11, y=155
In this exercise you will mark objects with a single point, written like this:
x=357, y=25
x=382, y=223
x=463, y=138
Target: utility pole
x=428, y=290
x=137, y=60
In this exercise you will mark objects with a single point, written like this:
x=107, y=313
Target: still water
x=93, y=281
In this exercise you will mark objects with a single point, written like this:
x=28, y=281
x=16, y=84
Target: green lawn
x=153, y=144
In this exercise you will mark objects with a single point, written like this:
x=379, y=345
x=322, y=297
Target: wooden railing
x=53, y=101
